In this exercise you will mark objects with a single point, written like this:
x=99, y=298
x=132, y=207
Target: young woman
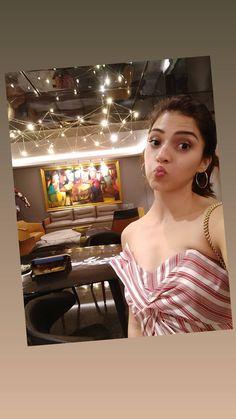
x=173, y=263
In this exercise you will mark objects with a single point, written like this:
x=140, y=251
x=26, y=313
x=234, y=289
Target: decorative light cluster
x=110, y=118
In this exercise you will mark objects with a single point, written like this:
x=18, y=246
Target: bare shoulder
x=129, y=232
x=217, y=229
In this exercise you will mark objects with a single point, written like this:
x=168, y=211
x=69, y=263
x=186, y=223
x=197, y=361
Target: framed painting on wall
x=83, y=184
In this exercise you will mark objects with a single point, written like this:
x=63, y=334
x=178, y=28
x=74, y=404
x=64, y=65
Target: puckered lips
x=159, y=171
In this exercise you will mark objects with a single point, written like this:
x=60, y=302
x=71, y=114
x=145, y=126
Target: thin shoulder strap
x=207, y=233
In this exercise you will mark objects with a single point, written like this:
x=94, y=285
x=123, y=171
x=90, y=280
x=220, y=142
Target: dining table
x=89, y=265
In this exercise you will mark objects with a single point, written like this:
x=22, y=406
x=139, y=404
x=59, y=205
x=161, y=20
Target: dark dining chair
x=122, y=218
x=42, y=312
x=100, y=238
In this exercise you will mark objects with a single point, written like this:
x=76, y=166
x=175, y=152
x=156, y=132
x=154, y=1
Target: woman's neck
x=175, y=206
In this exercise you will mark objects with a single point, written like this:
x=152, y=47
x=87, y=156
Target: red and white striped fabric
x=188, y=292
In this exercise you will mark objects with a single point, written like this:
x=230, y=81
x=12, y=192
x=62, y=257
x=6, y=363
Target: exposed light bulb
x=119, y=78
x=51, y=150
x=77, y=81
x=51, y=110
x=98, y=66
x=36, y=145
x=96, y=143
x=114, y=137
x=12, y=85
x=62, y=134
x=123, y=121
x=104, y=123
x=47, y=81
x=75, y=92
x=102, y=88
x=39, y=78
x=136, y=114
x=104, y=110
x=107, y=81
x=40, y=121
x=109, y=100
x=24, y=153
x=57, y=98
x=12, y=135
x=81, y=119
x=85, y=139
x=30, y=127
x=29, y=87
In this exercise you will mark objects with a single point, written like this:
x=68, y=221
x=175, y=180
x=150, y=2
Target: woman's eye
x=184, y=146
x=154, y=141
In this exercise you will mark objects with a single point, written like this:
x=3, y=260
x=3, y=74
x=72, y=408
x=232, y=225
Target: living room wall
x=135, y=189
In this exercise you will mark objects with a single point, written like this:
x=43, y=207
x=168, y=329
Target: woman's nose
x=163, y=153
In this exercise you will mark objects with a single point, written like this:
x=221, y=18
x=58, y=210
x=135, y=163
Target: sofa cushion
x=105, y=217
x=83, y=221
x=59, y=224
x=84, y=212
x=103, y=210
x=61, y=215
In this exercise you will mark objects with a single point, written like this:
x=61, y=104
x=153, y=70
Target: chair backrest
x=122, y=218
x=42, y=312
x=104, y=237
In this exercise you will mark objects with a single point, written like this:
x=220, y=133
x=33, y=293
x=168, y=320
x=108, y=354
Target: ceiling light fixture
x=104, y=123
x=114, y=137
x=30, y=127
x=24, y=153
x=109, y=100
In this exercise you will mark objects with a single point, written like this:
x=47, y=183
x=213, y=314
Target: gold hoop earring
x=206, y=180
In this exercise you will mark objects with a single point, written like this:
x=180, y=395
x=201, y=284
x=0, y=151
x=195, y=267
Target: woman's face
x=174, y=152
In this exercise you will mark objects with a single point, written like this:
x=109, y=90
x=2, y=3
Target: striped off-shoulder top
x=188, y=292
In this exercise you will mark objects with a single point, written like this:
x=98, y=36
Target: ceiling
x=94, y=111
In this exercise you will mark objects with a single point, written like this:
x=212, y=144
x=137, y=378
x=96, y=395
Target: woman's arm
x=134, y=327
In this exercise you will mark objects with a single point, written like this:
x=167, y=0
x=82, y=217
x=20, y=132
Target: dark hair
x=190, y=107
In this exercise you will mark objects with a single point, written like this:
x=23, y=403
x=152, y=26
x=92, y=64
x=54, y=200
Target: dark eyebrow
x=176, y=133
